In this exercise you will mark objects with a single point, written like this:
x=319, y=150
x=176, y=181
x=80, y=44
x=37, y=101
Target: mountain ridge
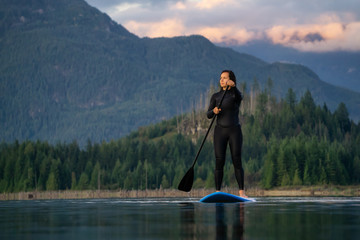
x=89, y=78
x=339, y=68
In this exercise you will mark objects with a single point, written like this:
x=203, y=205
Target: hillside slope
x=67, y=71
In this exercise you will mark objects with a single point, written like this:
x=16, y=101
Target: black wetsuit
x=227, y=130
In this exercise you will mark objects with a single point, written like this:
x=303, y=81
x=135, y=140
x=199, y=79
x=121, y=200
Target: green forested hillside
x=68, y=72
x=291, y=142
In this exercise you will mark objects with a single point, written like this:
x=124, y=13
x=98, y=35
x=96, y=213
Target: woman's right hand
x=216, y=110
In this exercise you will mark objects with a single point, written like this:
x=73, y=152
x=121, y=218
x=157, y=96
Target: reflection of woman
x=227, y=129
x=236, y=220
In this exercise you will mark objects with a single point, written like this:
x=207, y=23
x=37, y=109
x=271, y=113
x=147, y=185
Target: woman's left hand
x=230, y=83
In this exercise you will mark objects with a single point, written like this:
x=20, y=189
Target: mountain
x=68, y=72
x=340, y=68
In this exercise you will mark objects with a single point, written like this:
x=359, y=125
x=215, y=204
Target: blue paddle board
x=221, y=197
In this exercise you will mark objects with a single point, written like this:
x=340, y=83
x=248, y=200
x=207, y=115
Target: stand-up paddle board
x=221, y=197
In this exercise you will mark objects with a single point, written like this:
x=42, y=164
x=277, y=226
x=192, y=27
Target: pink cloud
x=209, y=4
x=318, y=37
x=165, y=28
x=228, y=34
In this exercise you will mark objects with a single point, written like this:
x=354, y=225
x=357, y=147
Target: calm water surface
x=185, y=218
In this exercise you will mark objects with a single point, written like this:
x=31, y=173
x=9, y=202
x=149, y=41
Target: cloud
x=166, y=28
x=317, y=37
x=210, y=4
x=228, y=34
x=179, y=6
x=126, y=6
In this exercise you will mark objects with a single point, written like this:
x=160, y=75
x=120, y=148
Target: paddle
x=187, y=181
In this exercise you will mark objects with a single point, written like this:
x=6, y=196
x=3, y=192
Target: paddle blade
x=187, y=181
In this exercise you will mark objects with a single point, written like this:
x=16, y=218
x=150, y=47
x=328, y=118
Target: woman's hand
x=230, y=83
x=216, y=110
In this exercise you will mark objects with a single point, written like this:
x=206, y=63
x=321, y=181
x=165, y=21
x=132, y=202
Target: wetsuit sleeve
x=238, y=95
x=210, y=113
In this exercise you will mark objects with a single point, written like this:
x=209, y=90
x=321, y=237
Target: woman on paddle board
x=227, y=129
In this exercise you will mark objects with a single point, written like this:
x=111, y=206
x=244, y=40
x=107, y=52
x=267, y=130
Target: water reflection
x=268, y=218
x=187, y=220
x=237, y=225
x=212, y=221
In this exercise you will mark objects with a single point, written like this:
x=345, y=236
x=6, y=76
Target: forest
x=287, y=142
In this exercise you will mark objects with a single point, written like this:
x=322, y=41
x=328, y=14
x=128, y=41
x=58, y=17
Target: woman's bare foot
x=242, y=194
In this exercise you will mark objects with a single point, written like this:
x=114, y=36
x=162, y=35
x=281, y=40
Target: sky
x=306, y=25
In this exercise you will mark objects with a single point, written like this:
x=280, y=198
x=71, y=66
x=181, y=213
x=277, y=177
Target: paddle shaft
x=207, y=133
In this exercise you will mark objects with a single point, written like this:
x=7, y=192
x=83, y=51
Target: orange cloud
x=208, y=4
x=166, y=28
x=200, y=4
x=318, y=37
x=179, y=6
x=228, y=34
x=284, y=35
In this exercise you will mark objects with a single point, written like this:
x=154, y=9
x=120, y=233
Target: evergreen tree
x=95, y=176
x=53, y=181
x=342, y=118
x=307, y=177
x=83, y=181
x=291, y=99
x=297, y=179
x=129, y=182
x=73, y=181
x=164, y=182
x=270, y=177
x=116, y=175
x=210, y=180
x=356, y=170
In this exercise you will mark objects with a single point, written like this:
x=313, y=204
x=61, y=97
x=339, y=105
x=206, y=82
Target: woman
x=227, y=129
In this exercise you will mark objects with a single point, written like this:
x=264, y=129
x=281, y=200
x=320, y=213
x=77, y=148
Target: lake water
x=185, y=218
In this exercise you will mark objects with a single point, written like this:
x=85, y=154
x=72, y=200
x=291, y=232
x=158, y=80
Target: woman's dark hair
x=231, y=75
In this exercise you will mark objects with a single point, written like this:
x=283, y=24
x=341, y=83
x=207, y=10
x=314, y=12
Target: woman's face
x=224, y=77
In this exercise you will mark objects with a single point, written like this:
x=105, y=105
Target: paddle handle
x=207, y=133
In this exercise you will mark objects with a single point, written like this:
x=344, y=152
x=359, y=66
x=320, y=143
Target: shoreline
x=310, y=191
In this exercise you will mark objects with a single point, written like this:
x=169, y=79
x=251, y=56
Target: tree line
x=287, y=142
